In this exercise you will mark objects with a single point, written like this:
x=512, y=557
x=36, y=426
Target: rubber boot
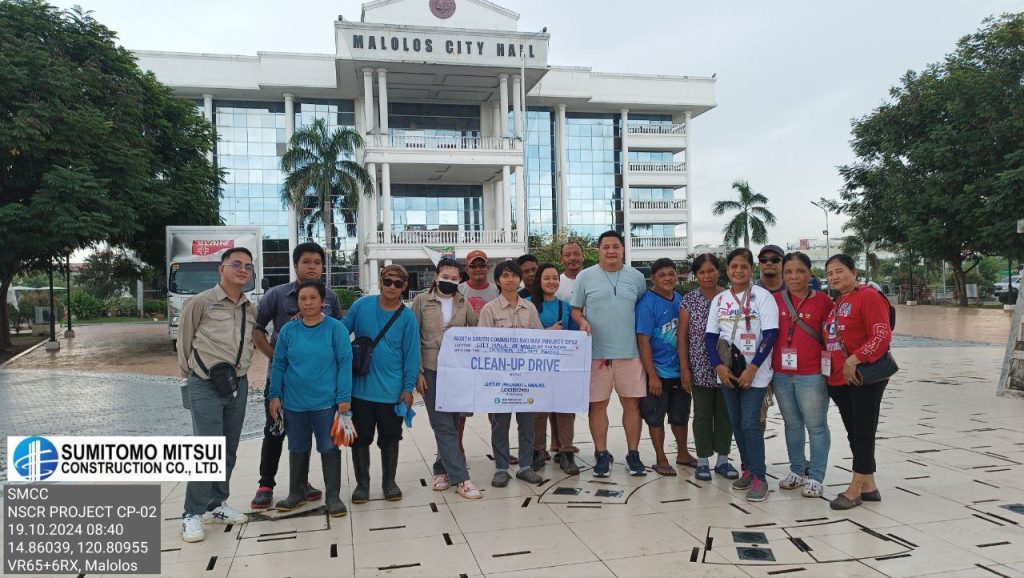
x=298, y=472
x=361, y=468
x=389, y=466
x=331, y=462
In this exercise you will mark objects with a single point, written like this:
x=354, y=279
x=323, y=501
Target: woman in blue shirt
x=310, y=379
x=554, y=314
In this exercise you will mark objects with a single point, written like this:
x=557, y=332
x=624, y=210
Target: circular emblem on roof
x=442, y=8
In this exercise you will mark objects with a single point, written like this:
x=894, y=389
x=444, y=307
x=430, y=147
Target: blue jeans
x=744, y=407
x=213, y=415
x=803, y=401
x=300, y=426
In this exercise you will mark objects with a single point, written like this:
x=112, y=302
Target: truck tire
x=174, y=345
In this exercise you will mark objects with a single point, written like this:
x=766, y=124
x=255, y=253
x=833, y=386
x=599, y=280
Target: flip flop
x=664, y=470
x=690, y=464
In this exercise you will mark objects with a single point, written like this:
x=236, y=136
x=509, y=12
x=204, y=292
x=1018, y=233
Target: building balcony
x=443, y=159
x=443, y=142
x=658, y=211
x=415, y=245
x=658, y=137
x=651, y=248
x=658, y=174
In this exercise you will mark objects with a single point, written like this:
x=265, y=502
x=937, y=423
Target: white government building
x=463, y=118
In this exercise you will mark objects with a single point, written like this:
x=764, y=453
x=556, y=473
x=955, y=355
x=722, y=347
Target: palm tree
x=751, y=216
x=858, y=243
x=321, y=177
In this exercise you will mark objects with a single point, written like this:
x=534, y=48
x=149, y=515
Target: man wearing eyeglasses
x=478, y=290
x=216, y=330
x=392, y=374
x=769, y=261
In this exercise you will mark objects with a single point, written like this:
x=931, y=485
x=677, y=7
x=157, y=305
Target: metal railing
x=490, y=237
x=658, y=167
x=657, y=204
x=672, y=129
x=658, y=242
x=444, y=142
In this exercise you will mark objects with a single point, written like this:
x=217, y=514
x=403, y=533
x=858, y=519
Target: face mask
x=447, y=287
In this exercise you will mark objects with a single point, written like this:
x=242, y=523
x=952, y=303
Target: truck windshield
x=192, y=278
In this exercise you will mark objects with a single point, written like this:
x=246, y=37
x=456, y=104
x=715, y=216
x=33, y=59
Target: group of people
x=723, y=351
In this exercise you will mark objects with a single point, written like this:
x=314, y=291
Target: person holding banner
x=555, y=314
x=394, y=366
x=743, y=324
x=436, y=311
x=311, y=377
x=800, y=388
x=657, y=321
x=603, y=304
x=509, y=311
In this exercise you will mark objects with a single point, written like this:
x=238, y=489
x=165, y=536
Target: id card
x=789, y=358
x=748, y=344
x=826, y=363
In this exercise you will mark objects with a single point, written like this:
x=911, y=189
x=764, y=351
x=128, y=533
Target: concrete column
x=374, y=276
x=368, y=122
x=562, y=183
x=689, y=181
x=485, y=119
x=382, y=88
x=517, y=108
x=385, y=199
x=626, y=220
x=208, y=113
x=521, y=212
x=495, y=119
x=506, y=202
x=293, y=213
x=371, y=225
x=503, y=105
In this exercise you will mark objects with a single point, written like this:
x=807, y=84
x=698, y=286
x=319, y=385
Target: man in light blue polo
x=603, y=304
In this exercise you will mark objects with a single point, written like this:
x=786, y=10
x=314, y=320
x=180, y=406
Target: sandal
x=664, y=470
x=441, y=482
x=692, y=463
x=468, y=490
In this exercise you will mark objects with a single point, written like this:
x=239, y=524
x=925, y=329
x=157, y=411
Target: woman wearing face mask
x=437, y=310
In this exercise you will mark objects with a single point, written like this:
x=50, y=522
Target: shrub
x=28, y=302
x=154, y=306
x=346, y=296
x=121, y=307
x=85, y=306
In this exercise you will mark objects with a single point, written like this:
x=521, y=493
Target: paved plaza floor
x=951, y=473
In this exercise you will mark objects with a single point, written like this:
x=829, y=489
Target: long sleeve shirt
x=312, y=367
x=429, y=312
x=395, y=364
x=861, y=318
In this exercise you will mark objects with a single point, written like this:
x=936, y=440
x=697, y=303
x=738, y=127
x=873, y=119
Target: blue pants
x=803, y=402
x=744, y=407
x=300, y=426
x=213, y=415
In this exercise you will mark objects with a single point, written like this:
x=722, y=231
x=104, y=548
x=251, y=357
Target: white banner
x=487, y=369
x=116, y=459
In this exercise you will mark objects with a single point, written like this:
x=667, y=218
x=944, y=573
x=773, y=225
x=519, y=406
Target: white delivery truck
x=193, y=256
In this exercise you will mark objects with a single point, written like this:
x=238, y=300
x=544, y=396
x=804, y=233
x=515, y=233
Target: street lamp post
x=70, y=332
x=52, y=344
x=828, y=240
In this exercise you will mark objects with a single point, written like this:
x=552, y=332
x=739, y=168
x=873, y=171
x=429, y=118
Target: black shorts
x=673, y=401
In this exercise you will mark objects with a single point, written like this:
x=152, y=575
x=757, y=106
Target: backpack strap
x=800, y=322
x=391, y=322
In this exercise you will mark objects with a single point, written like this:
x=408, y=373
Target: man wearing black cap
x=770, y=263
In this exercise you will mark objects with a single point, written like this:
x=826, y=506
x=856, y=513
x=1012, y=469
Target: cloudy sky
x=791, y=75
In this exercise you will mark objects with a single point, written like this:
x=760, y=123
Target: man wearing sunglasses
x=478, y=290
x=216, y=330
x=393, y=369
x=769, y=261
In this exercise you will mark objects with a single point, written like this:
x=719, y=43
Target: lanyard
x=796, y=316
x=745, y=305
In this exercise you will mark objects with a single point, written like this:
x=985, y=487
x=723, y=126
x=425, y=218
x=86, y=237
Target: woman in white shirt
x=743, y=324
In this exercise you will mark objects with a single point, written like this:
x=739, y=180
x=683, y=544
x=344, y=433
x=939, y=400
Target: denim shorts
x=302, y=426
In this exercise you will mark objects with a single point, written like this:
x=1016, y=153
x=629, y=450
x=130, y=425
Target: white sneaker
x=225, y=514
x=812, y=489
x=192, y=528
x=792, y=482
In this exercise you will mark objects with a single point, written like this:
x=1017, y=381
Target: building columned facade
x=473, y=140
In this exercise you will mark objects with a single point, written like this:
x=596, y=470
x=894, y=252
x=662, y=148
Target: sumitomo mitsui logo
x=35, y=459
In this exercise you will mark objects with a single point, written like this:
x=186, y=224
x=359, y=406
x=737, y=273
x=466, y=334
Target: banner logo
x=35, y=459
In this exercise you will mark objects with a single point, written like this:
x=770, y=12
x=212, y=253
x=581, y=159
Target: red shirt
x=813, y=311
x=861, y=318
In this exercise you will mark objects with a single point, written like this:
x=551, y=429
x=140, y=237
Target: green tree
x=940, y=167
x=548, y=248
x=321, y=176
x=752, y=216
x=93, y=149
x=110, y=272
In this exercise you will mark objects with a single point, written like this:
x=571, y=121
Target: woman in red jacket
x=857, y=332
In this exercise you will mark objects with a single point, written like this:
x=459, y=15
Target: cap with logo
x=475, y=255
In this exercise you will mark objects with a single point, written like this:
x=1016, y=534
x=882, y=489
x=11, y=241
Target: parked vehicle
x=1004, y=285
x=193, y=257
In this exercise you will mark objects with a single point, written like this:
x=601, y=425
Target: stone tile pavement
x=951, y=471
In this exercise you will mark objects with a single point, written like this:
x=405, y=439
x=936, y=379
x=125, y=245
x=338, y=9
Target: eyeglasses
x=238, y=266
x=772, y=260
x=389, y=282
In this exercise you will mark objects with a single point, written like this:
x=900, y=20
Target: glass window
x=593, y=167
